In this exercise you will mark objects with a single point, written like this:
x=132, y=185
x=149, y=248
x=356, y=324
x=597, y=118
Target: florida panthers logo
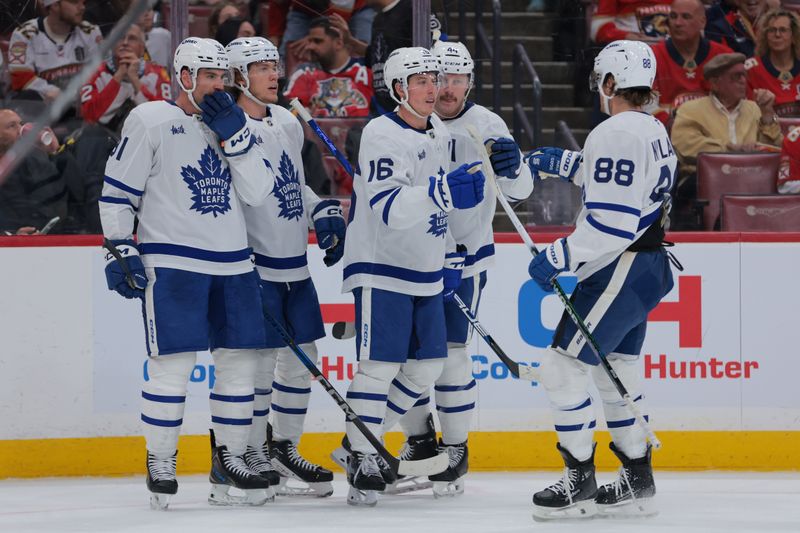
x=438, y=224
x=288, y=190
x=335, y=95
x=210, y=184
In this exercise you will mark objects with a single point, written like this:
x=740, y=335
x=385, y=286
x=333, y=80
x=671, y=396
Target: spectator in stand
x=46, y=52
x=789, y=171
x=35, y=191
x=122, y=82
x=724, y=121
x=233, y=28
x=738, y=28
x=158, y=41
x=221, y=13
x=356, y=14
x=681, y=58
x=776, y=66
x=338, y=85
x=634, y=20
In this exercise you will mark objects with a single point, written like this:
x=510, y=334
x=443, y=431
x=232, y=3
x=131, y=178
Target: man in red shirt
x=680, y=58
x=123, y=82
x=341, y=86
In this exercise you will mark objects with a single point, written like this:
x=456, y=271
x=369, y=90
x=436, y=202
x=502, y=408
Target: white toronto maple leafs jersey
x=473, y=227
x=278, y=229
x=396, y=235
x=627, y=172
x=168, y=170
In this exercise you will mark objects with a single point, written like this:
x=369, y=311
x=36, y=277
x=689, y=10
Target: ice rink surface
x=704, y=502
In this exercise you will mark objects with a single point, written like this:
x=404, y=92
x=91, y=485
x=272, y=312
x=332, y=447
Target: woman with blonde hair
x=776, y=66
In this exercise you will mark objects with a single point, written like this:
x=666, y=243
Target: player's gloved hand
x=330, y=227
x=227, y=120
x=549, y=263
x=505, y=157
x=116, y=275
x=460, y=189
x=453, y=268
x=549, y=162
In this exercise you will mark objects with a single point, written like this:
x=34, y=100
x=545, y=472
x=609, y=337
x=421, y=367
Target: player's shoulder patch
x=87, y=27
x=28, y=28
x=793, y=135
x=750, y=62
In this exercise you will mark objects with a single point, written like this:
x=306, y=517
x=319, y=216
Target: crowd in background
x=728, y=73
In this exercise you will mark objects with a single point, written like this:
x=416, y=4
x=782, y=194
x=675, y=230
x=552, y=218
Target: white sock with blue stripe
x=566, y=380
x=367, y=396
x=291, y=393
x=164, y=400
x=414, y=379
x=232, y=397
x=627, y=435
x=265, y=374
x=456, y=392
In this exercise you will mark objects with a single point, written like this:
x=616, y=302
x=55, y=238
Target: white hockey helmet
x=195, y=53
x=404, y=63
x=243, y=52
x=454, y=58
x=632, y=63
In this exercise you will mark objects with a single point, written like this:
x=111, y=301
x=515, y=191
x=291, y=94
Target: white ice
x=704, y=502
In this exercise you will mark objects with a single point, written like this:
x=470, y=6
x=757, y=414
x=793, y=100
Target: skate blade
x=639, y=508
x=577, y=511
x=226, y=495
x=321, y=489
x=362, y=498
x=408, y=484
x=425, y=467
x=448, y=489
x=158, y=501
x=339, y=455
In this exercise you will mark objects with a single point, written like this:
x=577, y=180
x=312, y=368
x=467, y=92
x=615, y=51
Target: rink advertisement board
x=720, y=356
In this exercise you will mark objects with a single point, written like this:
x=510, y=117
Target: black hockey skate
x=632, y=494
x=572, y=496
x=161, y=480
x=230, y=471
x=260, y=461
x=365, y=479
x=291, y=465
x=415, y=448
x=342, y=454
x=451, y=481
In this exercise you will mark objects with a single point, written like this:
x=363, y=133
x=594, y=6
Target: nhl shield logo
x=287, y=189
x=210, y=184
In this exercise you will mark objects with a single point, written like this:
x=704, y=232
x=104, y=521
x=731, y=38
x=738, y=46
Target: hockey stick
x=298, y=108
x=573, y=314
x=423, y=467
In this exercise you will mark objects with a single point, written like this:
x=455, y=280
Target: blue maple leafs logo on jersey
x=287, y=189
x=210, y=184
x=438, y=224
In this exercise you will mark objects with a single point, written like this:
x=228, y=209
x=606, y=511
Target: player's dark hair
x=325, y=24
x=637, y=96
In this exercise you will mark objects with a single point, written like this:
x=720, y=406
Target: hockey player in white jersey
x=626, y=174
x=278, y=233
x=455, y=389
x=184, y=169
x=397, y=261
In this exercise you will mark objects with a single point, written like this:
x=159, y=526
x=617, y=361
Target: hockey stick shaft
x=570, y=309
x=424, y=467
x=518, y=370
x=298, y=108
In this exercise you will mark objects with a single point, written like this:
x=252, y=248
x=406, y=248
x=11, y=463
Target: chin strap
x=410, y=109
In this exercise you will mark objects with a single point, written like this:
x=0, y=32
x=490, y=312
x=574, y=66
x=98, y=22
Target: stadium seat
x=719, y=174
x=771, y=212
x=787, y=123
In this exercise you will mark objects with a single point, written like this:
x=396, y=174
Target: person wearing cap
x=46, y=52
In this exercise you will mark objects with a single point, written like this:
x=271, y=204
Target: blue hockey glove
x=549, y=162
x=549, y=263
x=330, y=228
x=461, y=189
x=126, y=274
x=453, y=268
x=505, y=157
x=227, y=120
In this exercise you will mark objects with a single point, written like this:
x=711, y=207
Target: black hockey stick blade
x=344, y=330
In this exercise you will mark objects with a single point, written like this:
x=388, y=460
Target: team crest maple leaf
x=210, y=184
x=288, y=190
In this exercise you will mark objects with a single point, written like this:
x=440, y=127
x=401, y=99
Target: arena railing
x=531, y=129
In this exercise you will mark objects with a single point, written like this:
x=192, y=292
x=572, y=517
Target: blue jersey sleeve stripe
x=389, y=271
x=619, y=208
x=649, y=219
x=388, y=205
x=194, y=253
x=381, y=195
x=281, y=263
x=114, y=200
x=121, y=186
x=608, y=229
